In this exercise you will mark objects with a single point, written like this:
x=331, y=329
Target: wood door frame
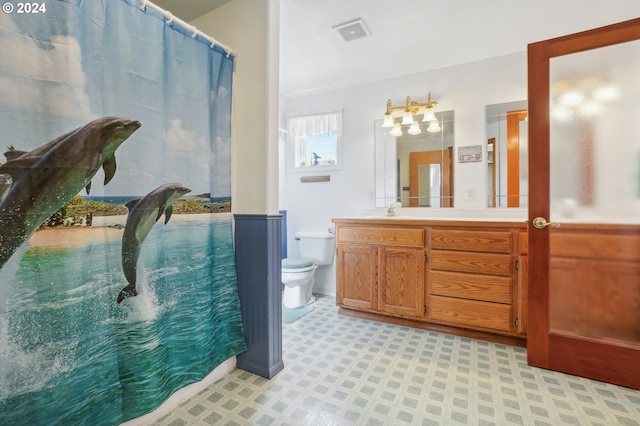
x=539, y=56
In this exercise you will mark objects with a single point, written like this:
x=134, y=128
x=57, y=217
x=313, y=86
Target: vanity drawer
x=468, y=240
x=493, y=316
x=407, y=237
x=476, y=263
x=488, y=288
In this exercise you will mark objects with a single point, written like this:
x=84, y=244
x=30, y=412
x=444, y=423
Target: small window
x=316, y=140
x=318, y=150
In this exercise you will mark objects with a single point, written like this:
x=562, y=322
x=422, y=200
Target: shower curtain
x=117, y=271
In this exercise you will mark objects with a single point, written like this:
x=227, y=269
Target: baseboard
x=462, y=332
x=324, y=292
x=261, y=370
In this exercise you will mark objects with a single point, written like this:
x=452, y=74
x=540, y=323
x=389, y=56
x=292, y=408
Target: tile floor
x=347, y=371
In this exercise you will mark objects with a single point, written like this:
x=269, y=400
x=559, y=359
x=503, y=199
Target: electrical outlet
x=471, y=193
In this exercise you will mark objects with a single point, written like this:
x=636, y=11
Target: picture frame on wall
x=469, y=154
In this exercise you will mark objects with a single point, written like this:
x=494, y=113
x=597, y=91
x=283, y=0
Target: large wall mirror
x=507, y=145
x=415, y=170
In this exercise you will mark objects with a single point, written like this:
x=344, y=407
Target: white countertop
x=482, y=215
x=576, y=216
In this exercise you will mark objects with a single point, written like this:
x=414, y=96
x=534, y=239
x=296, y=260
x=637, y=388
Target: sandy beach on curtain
x=101, y=229
x=70, y=236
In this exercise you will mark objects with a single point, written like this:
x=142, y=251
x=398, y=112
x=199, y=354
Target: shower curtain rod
x=194, y=31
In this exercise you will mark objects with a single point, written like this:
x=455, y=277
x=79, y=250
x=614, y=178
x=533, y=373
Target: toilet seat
x=299, y=264
x=298, y=270
x=297, y=281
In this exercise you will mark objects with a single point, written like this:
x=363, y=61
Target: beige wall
x=251, y=28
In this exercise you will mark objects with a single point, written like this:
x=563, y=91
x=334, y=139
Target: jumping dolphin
x=45, y=179
x=143, y=214
x=109, y=166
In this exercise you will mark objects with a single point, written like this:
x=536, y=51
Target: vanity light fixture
x=411, y=108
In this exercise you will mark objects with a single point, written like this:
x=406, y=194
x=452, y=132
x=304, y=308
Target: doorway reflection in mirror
x=507, y=145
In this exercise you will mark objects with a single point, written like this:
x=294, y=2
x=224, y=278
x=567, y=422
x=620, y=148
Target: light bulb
x=388, y=120
x=396, y=131
x=414, y=129
x=606, y=93
x=429, y=114
x=407, y=117
x=571, y=98
x=590, y=108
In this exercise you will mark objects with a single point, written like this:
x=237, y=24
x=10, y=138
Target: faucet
x=391, y=210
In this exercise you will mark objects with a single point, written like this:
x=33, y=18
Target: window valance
x=313, y=124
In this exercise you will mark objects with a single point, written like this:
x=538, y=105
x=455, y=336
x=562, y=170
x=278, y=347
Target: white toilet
x=315, y=249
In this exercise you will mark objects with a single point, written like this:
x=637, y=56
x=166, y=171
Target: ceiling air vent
x=352, y=30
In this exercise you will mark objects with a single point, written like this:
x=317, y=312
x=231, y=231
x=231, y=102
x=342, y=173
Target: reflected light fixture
x=434, y=126
x=571, y=98
x=396, y=130
x=585, y=96
x=408, y=111
x=414, y=129
x=606, y=93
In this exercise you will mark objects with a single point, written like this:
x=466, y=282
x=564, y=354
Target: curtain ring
x=228, y=51
x=195, y=31
x=213, y=42
x=169, y=17
x=143, y=6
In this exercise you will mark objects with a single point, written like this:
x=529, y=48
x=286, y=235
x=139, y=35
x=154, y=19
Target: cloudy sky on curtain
x=73, y=68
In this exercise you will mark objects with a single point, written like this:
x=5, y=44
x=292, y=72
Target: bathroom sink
x=381, y=216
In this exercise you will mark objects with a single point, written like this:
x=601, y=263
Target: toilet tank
x=318, y=246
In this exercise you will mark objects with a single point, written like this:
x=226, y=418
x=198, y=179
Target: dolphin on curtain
x=143, y=214
x=109, y=165
x=45, y=179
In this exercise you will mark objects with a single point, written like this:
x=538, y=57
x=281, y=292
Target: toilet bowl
x=315, y=249
x=297, y=276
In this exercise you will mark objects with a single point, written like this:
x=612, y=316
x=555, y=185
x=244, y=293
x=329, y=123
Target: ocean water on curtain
x=69, y=354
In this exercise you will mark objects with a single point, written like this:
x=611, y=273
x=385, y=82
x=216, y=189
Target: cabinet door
x=357, y=276
x=401, y=288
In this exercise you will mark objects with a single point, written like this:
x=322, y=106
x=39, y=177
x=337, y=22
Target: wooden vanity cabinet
x=450, y=276
x=381, y=269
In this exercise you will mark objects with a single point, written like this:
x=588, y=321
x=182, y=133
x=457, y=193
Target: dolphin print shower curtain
x=117, y=271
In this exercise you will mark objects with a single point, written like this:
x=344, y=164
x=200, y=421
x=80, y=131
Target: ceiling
x=188, y=10
x=410, y=36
